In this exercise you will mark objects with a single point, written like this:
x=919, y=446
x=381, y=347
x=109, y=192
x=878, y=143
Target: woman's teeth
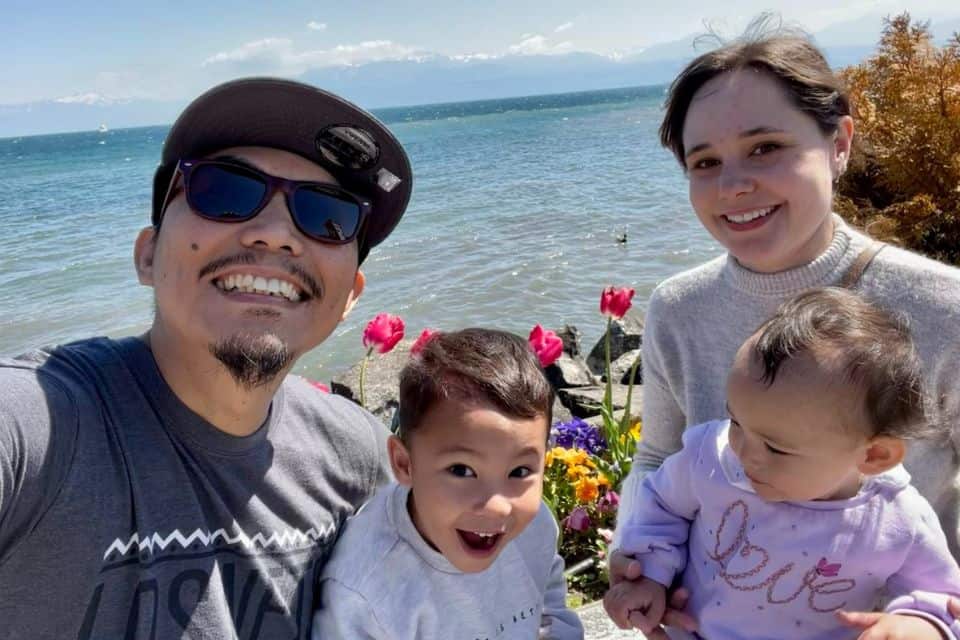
x=749, y=216
x=246, y=283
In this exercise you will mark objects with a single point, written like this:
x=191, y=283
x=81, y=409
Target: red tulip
x=578, y=520
x=422, y=341
x=546, y=344
x=318, y=385
x=616, y=302
x=383, y=332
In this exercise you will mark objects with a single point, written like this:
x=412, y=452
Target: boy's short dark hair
x=475, y=365
x=865, y=345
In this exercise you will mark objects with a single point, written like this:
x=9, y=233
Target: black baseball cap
x=355, y=147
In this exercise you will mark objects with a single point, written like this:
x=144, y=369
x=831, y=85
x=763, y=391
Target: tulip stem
x=363, y=377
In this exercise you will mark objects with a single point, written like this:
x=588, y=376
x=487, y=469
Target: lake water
x=513, y=219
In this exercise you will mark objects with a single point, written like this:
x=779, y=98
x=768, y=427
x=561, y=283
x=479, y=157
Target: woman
x=762, y=129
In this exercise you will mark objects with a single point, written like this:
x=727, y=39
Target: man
x=180, y=484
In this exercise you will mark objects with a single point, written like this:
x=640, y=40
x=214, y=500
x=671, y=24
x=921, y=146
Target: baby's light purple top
x=759, y=569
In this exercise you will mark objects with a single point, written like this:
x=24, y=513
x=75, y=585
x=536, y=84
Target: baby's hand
x=639, y=603
x=890, y=626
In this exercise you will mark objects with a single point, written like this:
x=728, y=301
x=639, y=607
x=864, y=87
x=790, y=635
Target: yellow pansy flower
x=586, y=489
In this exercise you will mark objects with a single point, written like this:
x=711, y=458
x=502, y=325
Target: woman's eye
x=705, y=163
x=775, y=450
x=764, y=148
x=521, y=472
x=461, y=471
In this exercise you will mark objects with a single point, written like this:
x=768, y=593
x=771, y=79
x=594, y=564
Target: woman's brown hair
x=787, y=55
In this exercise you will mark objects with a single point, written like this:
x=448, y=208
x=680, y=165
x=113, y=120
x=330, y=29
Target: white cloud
x=90, y=98
x=563, y=27
x=470, y=57
x=279, y=55
x=317, y=26
x=538, y=45
x=267, y=48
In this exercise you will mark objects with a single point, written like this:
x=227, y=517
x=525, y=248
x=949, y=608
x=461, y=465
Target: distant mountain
x=436, y=79
x=53, y=117
x=444, y=79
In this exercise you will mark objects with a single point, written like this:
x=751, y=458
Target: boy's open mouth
x=478, y=540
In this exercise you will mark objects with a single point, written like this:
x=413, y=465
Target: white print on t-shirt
x=286, y=539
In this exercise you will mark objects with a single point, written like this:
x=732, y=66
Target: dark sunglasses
x=227, y=191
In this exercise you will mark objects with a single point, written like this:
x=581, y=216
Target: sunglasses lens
x=326, y=216
x=225, y=192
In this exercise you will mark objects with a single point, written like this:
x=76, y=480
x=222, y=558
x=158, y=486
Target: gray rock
x=597, y=626
x=597, y=420
x=626, y=334
x=571, y=339
x=382, y=381
x=560, y=412
x=569, y=371
x=620, y=368
x=584, y=402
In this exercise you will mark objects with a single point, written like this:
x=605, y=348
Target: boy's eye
x=772, y=449
x=461, y=471
x=521, y=472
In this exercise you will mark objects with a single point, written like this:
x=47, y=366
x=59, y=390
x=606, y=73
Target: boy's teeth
x=747, y=217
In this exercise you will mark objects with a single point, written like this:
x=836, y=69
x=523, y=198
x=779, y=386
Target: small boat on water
x=102, y=128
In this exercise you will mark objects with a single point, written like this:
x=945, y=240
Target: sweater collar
x=825, y=269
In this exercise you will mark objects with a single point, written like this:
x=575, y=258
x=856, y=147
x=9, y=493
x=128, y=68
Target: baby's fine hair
x=474, y=365
x=868, y=347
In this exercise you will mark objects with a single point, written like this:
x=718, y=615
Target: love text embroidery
x=752, y=573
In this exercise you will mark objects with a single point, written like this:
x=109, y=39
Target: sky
x=119, y=50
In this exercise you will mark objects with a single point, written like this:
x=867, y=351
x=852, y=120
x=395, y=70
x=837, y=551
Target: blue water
x=515, y=208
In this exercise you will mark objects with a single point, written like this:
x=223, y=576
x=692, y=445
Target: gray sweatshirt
x=698, y=319
x=385, y=582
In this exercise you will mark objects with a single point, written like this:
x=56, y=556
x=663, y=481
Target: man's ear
x=359, y=282
x=143, y=251
x=400, y=461
x=882, y=453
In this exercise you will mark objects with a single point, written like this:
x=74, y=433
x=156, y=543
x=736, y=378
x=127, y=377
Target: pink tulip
x=383, y=332
x=609, y=501
x=422, y=341
x=546, y=344
x=319, y=385
x=616, y=302
x=578, y=520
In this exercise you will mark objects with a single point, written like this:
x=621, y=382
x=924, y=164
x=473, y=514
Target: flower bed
x=579, y=485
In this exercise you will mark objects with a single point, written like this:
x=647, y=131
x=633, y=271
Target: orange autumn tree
x=903, y=181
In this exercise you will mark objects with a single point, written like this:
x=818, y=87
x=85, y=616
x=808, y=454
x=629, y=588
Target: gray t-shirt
x=123, y=514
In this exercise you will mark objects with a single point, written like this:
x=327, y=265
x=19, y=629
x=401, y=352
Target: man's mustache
x=250, y=258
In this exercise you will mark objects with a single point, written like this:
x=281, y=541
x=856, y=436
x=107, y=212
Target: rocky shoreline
x=577, y=376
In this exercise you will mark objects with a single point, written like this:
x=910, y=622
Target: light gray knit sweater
x=698, y=319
